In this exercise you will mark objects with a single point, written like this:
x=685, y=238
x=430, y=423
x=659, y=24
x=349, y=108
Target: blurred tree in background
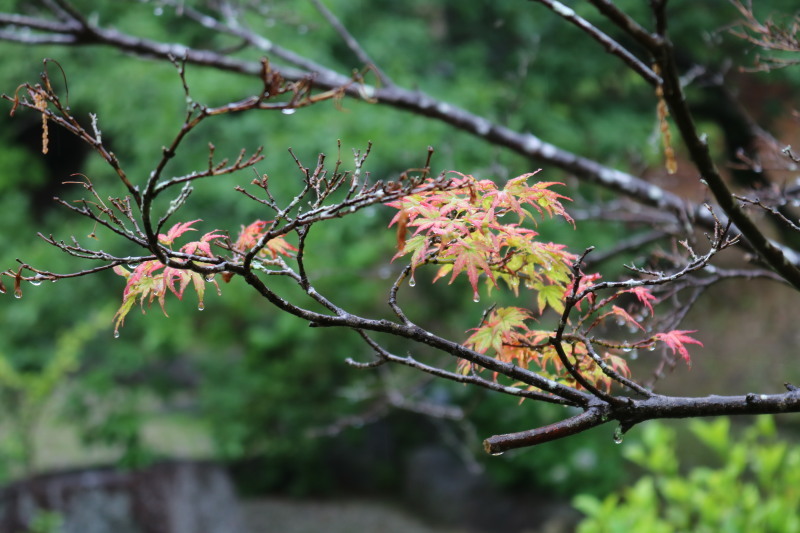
x=231, y=373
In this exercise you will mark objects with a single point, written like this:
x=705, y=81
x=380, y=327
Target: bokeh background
x=257, y=391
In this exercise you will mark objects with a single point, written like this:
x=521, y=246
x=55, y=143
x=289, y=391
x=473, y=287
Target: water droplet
x=288, y=111
x=116, y=334
x=210, y=278
x=626, y=348
x=476, y=298
x=36, y=282
x=18, y=294
x=200, y=306
x=651, y=348
x=618, y=435
x=411, y=282
x=496, y=454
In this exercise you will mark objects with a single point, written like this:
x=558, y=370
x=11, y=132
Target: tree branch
x=785, y=266
x=611, y=46
x=571, y=426
x=633, y=412
x=417, y=102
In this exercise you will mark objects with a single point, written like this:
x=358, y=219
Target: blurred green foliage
x=261, y=380
x=25, y=394
x=753, y=486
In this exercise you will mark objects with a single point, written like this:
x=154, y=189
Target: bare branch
x=565, y=428
x=415, y=101
x=768, y=35
x=611, y=46
x=774, y=256
x=633, y=412
x=386, y=357
x=646, y=39
x=351, y=42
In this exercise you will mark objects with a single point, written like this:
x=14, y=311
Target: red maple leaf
x=676, y=340
x=644, y=296
x=176, y=231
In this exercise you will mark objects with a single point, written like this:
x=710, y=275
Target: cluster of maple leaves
x=459, y=228
x=152, y=280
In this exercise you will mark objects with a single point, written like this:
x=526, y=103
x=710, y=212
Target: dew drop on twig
x=411, y=282
x=618, y=435
x=116, y=334
x=200, y=306
x=288, y=111
x=35, y=282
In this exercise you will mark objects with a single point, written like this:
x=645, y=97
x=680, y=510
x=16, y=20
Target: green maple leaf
x=496, y=328
x=550, y=295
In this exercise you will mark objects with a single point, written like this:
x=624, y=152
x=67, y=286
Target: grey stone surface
x=176, y=497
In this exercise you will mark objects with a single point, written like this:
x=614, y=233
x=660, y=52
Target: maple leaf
x=176, y=231
x=418, y=247
x=644, y=296
x=470, y=257
x=677, y=341
x=619, y=364
x=500, y=331
x=402, y=225
x=623, y=317
x=151, y=280
x=278, y=246
x=586, y=281
x=143, y=284
x=550, y=295
x=495, y=329
x=250, y=235
x=203, y=246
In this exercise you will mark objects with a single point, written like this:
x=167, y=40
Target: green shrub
x=755, y=487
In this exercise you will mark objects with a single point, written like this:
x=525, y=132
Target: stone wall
x=175, y=497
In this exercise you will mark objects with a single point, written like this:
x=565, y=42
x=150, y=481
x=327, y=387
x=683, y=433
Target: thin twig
x=351, y=42
x=611, y=46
